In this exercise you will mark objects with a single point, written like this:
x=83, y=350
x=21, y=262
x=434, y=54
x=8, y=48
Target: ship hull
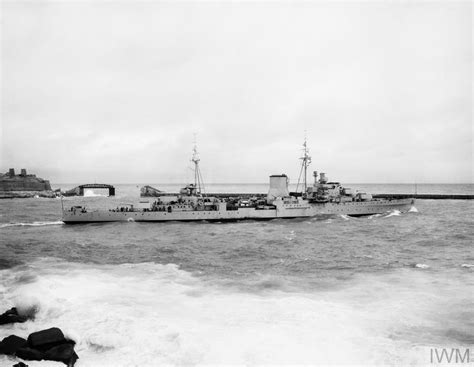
x=357, y=209
x=284, y=211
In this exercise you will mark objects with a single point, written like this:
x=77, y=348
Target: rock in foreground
x=49, y=344
x=11, y=344
x=12, y=316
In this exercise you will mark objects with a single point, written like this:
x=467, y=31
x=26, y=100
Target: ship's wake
x=32, y=224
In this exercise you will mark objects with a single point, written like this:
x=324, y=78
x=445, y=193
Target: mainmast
x=306, y=160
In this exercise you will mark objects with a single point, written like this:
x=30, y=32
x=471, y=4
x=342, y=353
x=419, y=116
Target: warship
x=322, y=198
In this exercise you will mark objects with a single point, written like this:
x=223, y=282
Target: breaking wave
x=32, y=224
x=413, y=209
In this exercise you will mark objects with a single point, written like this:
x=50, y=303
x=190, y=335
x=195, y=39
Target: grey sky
x=113, y=91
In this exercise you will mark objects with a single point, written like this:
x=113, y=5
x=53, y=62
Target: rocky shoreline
x=50, y=194
x=49, y=344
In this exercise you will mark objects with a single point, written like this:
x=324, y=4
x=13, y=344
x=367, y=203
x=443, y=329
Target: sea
x=385, y=289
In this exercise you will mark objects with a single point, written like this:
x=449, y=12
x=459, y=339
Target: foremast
x=198, y=182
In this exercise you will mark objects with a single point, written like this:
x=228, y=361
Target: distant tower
x=11, y=172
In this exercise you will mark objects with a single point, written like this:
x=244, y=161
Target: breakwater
x=425, y=196
x=377, y=196
x=79, y=190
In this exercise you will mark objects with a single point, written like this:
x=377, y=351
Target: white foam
x=467, y=266
x=344, y=216
x=422, y=266
x=413, y=209
x=32, y=224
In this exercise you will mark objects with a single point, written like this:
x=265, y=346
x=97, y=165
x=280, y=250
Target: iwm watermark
x=450, y=355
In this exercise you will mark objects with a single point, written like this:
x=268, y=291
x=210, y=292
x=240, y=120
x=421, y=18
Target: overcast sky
x=113, y=91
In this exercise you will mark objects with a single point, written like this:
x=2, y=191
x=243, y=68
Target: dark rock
x=46, y=339
x=11, y=344
x=30, y=354
x=11, y=316
x=20, y=364
x=62, y=353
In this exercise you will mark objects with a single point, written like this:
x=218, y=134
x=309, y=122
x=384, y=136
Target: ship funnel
x=278, y=187
x=322, y=178
x=315, y=175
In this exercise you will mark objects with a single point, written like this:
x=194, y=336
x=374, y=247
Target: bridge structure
x=79, y=190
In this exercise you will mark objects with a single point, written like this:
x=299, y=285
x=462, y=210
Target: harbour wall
x=377, y=196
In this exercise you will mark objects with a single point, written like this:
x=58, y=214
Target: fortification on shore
x=23, y=185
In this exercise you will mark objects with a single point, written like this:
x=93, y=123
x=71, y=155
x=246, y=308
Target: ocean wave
x=374, y=216
x=413, y=209
x=467, y=266
x=345, y=217
x=32, y=224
